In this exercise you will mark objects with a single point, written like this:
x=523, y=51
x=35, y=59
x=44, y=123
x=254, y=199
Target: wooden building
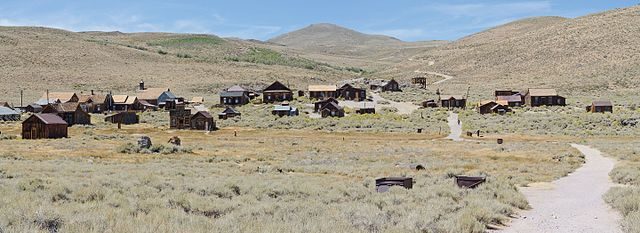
x=202, y=120
x=453, y=101
x=420, y=81
x=349, y=92
x=125, y=118
x=276, y=92
x=95, y=103
x=505, y=93
x=8, y=114
x=33, y=108
x=318, y=105
x=543, y=97
x=321, y=92
x=70, y=112
x=429, y=104
x=600, y=106
x=490, y=106
x=126, y=103
x=331, y=109
x=235, y=95
x=284, y=110
x=180, y=118
x=173, y=104
x=228, y=112
x=43, y=126
x=514, y=100
x=383, y=85
x=154, y=96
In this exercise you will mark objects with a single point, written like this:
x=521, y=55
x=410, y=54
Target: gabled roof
x=62, y=96
x=232, y=94
x=276, y=86
x=96, y=98
x=230, y=110
x=543, y=92
x=322, y=88
x=602, y=103
x=486, y=102
x=50, y=119
x=153, y=93
x=7, y=111
x=333, y=105
x=63, y=107
x=236, y=88
x=120, y=98
x=131, y=100
x=203, y=113
x=446, y=97
x=510, y=98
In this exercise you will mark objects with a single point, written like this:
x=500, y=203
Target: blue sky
x=409, y=20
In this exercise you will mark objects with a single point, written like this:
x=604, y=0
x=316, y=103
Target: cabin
x=126, y=103
x=70, y=112
x=202, y=120
x=331, y=109
x=33, y=108
x=276, y=92
x=429, y=104
x=491, y=106
x=95, y=103
x=154, y=96
x=318, y=105
x=284, y=110
x=383, y=85
x=349, y=92
x=321, y=92
x=57, y=97
x=125, y=118
x=228, y=112
x=44, y=126
x=453, y=101
x=197, y=100
x=235, y=95
x=600, y=106
x=383, y=184
x=543, y=97
x=180, y=118
x=8, y=114
x=419, y=81
x=514, y=100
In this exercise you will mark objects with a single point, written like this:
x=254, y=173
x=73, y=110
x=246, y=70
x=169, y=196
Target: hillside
x=595, y=55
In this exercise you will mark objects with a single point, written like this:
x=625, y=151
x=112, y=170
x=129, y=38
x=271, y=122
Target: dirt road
x=403, y=107
x=455, y=126
x=573, y=203
x=446, y=77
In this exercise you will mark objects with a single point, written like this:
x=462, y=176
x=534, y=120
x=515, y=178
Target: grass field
x=264, y=181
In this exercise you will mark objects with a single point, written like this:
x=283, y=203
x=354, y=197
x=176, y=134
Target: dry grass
x=290, y=180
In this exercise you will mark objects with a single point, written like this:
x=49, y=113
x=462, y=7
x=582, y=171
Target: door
x=33, y=132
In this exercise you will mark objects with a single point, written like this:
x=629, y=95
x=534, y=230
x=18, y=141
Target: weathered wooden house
x=43, y=126
x=491, y=106
x=420, y=81
x=8, y=114
x=229, y=112
x=202, y=120
x=125, y=118
x=331, y=109
x=321, y=92
x=180, y=118
x=70, y=112
x=318, y=105
x=126, y=103
x=284, y=110
x=235, y=95
x=95, y=103
x=366, y=108
x=349, y=92
x=154, y=96
x=383, y=85
x=276, y=92
x=514, y=100
x=600, y=106
x=543, y=97
x=453, y=101
x=33, y=108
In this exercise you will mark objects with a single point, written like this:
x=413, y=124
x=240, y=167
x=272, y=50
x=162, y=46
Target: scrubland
x=264, y=180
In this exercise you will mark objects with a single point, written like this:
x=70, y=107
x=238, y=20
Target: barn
x=43, y=126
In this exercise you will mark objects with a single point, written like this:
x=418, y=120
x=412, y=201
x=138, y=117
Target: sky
x=409, y=20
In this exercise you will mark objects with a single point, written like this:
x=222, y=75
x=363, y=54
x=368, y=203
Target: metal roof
x=51, y=119
x=236, y=88
x=62, y=96
x=231, y=94
x=7, y=111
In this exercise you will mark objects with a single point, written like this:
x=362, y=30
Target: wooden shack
x=126, y=103
x=420, y=81
x=601, y=106
x=44, y=126
x=515, y=100
x=490, y=106
x=384, y=85
x=349, y=92
x=125, y=118
x=202, y=120
x=318, y=105
x=33, y=108
x=429, y=104
x=543, y=97
x=95, y=103
x=321, y=92
x=71, y=112
x=453, y=101
x=180, y=118
x=331, y=109
x=228, y=112
x=276, y=92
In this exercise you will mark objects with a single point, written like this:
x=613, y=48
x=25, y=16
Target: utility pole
x=21, y=98
x=467, y=97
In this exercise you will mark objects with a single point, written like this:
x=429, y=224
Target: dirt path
x=403, y=107
x=446, y=77
x=455, y=126
x=573, y=203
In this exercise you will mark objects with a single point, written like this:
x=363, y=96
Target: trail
x=573, y=203
x=455, y=126
x=446, y=77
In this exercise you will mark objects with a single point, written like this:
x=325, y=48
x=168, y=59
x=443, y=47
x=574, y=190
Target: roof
x=322, y=88
x=153, y=93
x=502, y=102
x=97, y=98
x=543, y=92
x=230, y=110
x=203, y=113
x=51, y=119
x=232, y=94
x=35, y=106
x=120, y=98
x=602, y=103
x=62, y=96
x=197, y=99
x=43, y=101
x=327, y=100
x=67, y=107
x=283, y=108
x=334, y=104
x=7, y=111
x=200, y=108
x=236, y=88
x=458, y=97
x=5, y=104
x=131, y=100
x=510, y=98
x=366, y=105
x=485, y=102
x=143, y=102
x=276, y=86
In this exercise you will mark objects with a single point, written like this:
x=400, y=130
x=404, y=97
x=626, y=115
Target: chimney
x=142, y=85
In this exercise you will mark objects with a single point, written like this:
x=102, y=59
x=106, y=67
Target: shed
x=126, y=118
x=202, y=120
x=318, y=105
x=600, y=106
x=284, y=110
x=8, y=114
x=490, y=106
x=421, y=81
x=469, y=181
x=383, y=184
x=42, y=126
x=429, y=104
